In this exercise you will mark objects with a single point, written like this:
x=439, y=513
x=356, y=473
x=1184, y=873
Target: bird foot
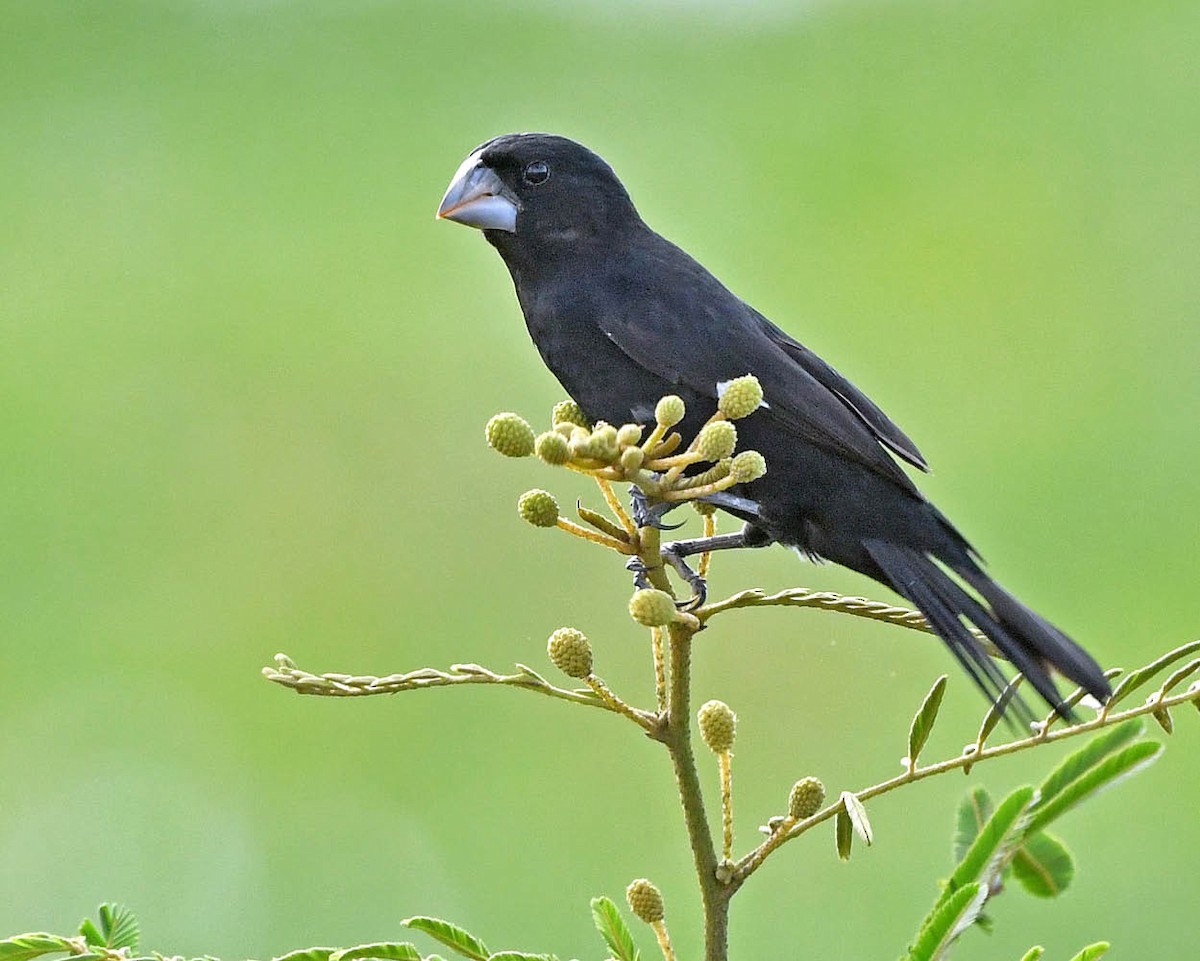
x=641, y=581
x=646, y=514
x=638, y=568
x=697, y=583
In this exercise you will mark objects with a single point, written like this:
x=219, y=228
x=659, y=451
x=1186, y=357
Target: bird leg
x=675, y=552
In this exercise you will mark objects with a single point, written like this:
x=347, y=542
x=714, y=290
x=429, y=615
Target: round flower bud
x=808, y=794
x=652, y=608
x=570, y=651
x=717, y=440
x=628, y=435
x=704, y=509
x=670, y=410
x=604, y=437
x=645, y=901
x=568, y=412
x=538, y=507
x=742, y=397
x=566, y=428
x=632, y=458
x=718, y=724
x=553, y=448
x=510, y=435
x=581, y=443
x=748, y=466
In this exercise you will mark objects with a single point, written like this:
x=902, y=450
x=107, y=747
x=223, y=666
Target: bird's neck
x=561, y=259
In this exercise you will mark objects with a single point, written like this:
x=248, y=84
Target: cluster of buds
x=653, y=461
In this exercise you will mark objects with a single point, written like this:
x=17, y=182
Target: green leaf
x=1093, y=952
x=1033, y=954
x=973, y=812
x=996, y=711
x=452, y=936
x=1105, y=774
x=613, y=929
x=33, y=945
x=989, y=851
x=521, y=956
x=1163, y=717
x=1087, y=757
x=119, y=926
x=91, y=933
x=858, y=817
x=1043, y=865
x=390, y=950
x=922, y=722
x=1180, y=675
x=303, y=954
x=947, y=921
x=1135, y=679
x=843, y=835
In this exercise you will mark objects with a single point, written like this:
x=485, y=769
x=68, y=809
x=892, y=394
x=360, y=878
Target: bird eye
x=537, y=172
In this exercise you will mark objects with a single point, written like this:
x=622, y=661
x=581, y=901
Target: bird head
x=536, y=188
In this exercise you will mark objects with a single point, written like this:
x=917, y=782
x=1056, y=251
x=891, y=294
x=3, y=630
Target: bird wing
x=882, y=426
x=674, y=319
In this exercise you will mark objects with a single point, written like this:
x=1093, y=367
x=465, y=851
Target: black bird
x=622, y=316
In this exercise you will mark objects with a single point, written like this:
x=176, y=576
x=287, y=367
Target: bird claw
x=640, y=581
x=697, y=583
x=646, y=514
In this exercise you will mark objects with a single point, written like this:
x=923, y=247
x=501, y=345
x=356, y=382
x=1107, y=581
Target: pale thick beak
x=478, y=198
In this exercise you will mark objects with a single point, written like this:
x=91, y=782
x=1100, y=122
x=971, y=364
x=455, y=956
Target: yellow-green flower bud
x=717, y=440
x=538, y=507
x=670, y=411
x=632, y=458
x=652, y=608
x=704, y=509
x=718, y=724
x=604, y=437
x=628, y=435
x=570, y=651
x=748, y=466
x=645, y=901
x=553, y=448
x=568, y=412
x=510, y=435
x=581, y=442
x=742, y=397
x=808, y=794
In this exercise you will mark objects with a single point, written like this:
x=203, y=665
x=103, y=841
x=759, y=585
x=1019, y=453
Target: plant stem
x=714, y=894
x=677, y=736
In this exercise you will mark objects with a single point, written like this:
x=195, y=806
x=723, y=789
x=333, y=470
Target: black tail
x=1030, y=642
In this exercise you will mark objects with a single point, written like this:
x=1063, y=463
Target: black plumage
x=622, y=316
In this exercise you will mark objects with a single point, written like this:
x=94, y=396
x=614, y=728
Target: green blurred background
x=243, y=376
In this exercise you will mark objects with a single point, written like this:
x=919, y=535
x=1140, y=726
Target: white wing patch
x=723, y=385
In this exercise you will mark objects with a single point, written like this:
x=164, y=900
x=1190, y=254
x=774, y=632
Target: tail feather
x=1024, y=638
x=1046, y=640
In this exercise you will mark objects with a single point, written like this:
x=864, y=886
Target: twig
x=287, y=674
x=829, y=601
x=747, y=865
